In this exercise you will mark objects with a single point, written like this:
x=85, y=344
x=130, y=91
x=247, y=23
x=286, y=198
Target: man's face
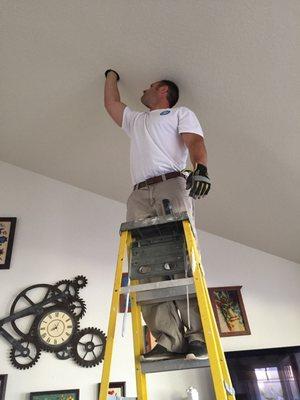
x=152, y=95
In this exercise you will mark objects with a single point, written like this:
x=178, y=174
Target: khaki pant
x=168, y=327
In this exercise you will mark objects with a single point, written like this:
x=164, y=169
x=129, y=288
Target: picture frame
x=7, y=233
x=68, y=394
x=115, y=389
x=3, y=381
x=229, y=311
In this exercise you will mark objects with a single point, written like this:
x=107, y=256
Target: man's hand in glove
x=110, y=71
x=199, y=182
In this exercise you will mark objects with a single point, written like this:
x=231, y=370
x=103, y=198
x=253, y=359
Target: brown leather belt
x=157, y=179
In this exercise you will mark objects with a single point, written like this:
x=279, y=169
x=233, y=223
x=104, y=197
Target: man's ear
x=164, y=89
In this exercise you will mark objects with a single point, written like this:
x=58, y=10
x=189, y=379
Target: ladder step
x=167, y=294
x=172, y=365
x=157, y=285
x=158, y=292
x=140, y=226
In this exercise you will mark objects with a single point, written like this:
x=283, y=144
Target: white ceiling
x=236, y=62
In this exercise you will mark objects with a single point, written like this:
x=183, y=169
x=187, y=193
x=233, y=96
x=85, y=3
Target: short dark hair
x=173, y=91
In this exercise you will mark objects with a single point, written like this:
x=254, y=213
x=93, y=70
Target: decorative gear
x=80, y=281
x=64, y=354
x=68, y=287
x=89, y=347
x=78, y=307
x=26, y=358
x=30, y=296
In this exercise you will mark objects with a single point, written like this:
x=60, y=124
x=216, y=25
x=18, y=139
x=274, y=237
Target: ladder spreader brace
x=162, y=246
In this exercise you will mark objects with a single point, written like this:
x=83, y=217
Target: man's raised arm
x=112, y=101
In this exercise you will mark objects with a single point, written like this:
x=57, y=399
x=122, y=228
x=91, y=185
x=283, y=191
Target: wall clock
x=46, y=317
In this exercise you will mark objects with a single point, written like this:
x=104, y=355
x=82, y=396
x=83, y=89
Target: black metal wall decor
x=46, y=317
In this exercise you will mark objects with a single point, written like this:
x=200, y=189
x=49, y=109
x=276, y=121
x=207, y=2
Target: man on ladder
x=161, y=139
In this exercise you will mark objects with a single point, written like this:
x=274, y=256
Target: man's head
x=161, y=94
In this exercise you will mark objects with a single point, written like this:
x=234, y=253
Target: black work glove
x=109, y=70
x=199, y=182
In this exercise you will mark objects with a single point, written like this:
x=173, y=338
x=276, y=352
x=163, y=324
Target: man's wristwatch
x=112, y=70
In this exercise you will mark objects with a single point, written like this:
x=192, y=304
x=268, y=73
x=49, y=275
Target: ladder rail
x=219, y=369
x=214, y=323
x=138, y=344
x=125, y=237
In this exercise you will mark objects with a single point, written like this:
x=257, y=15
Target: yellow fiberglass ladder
x=158, y=246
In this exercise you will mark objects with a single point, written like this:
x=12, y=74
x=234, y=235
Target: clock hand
x=53, y=329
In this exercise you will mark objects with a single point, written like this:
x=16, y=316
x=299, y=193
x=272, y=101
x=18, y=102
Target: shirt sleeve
x=129, y=117
x=188, y=122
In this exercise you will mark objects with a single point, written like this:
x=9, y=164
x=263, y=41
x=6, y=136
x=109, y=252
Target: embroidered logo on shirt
x=165, y=112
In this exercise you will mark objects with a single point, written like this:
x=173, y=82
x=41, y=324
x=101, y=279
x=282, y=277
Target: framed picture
x=3, y=380
x=122, y=303
x=229, y=310
x=7, y=233
x=70, y=394
x=115, y=389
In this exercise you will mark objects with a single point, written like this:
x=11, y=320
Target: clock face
x=56, y=328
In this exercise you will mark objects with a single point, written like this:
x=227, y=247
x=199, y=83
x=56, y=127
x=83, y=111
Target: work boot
x=159, y=353
x=196, y=351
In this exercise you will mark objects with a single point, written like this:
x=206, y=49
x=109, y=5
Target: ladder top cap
x=160, y=220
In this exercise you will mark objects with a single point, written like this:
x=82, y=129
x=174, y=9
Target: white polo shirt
x=156, y=144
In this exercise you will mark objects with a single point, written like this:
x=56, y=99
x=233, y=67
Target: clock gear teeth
x=26, y=358
x=68, y=287
x=78, y=307
x=81, y=281
x=89, y=347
